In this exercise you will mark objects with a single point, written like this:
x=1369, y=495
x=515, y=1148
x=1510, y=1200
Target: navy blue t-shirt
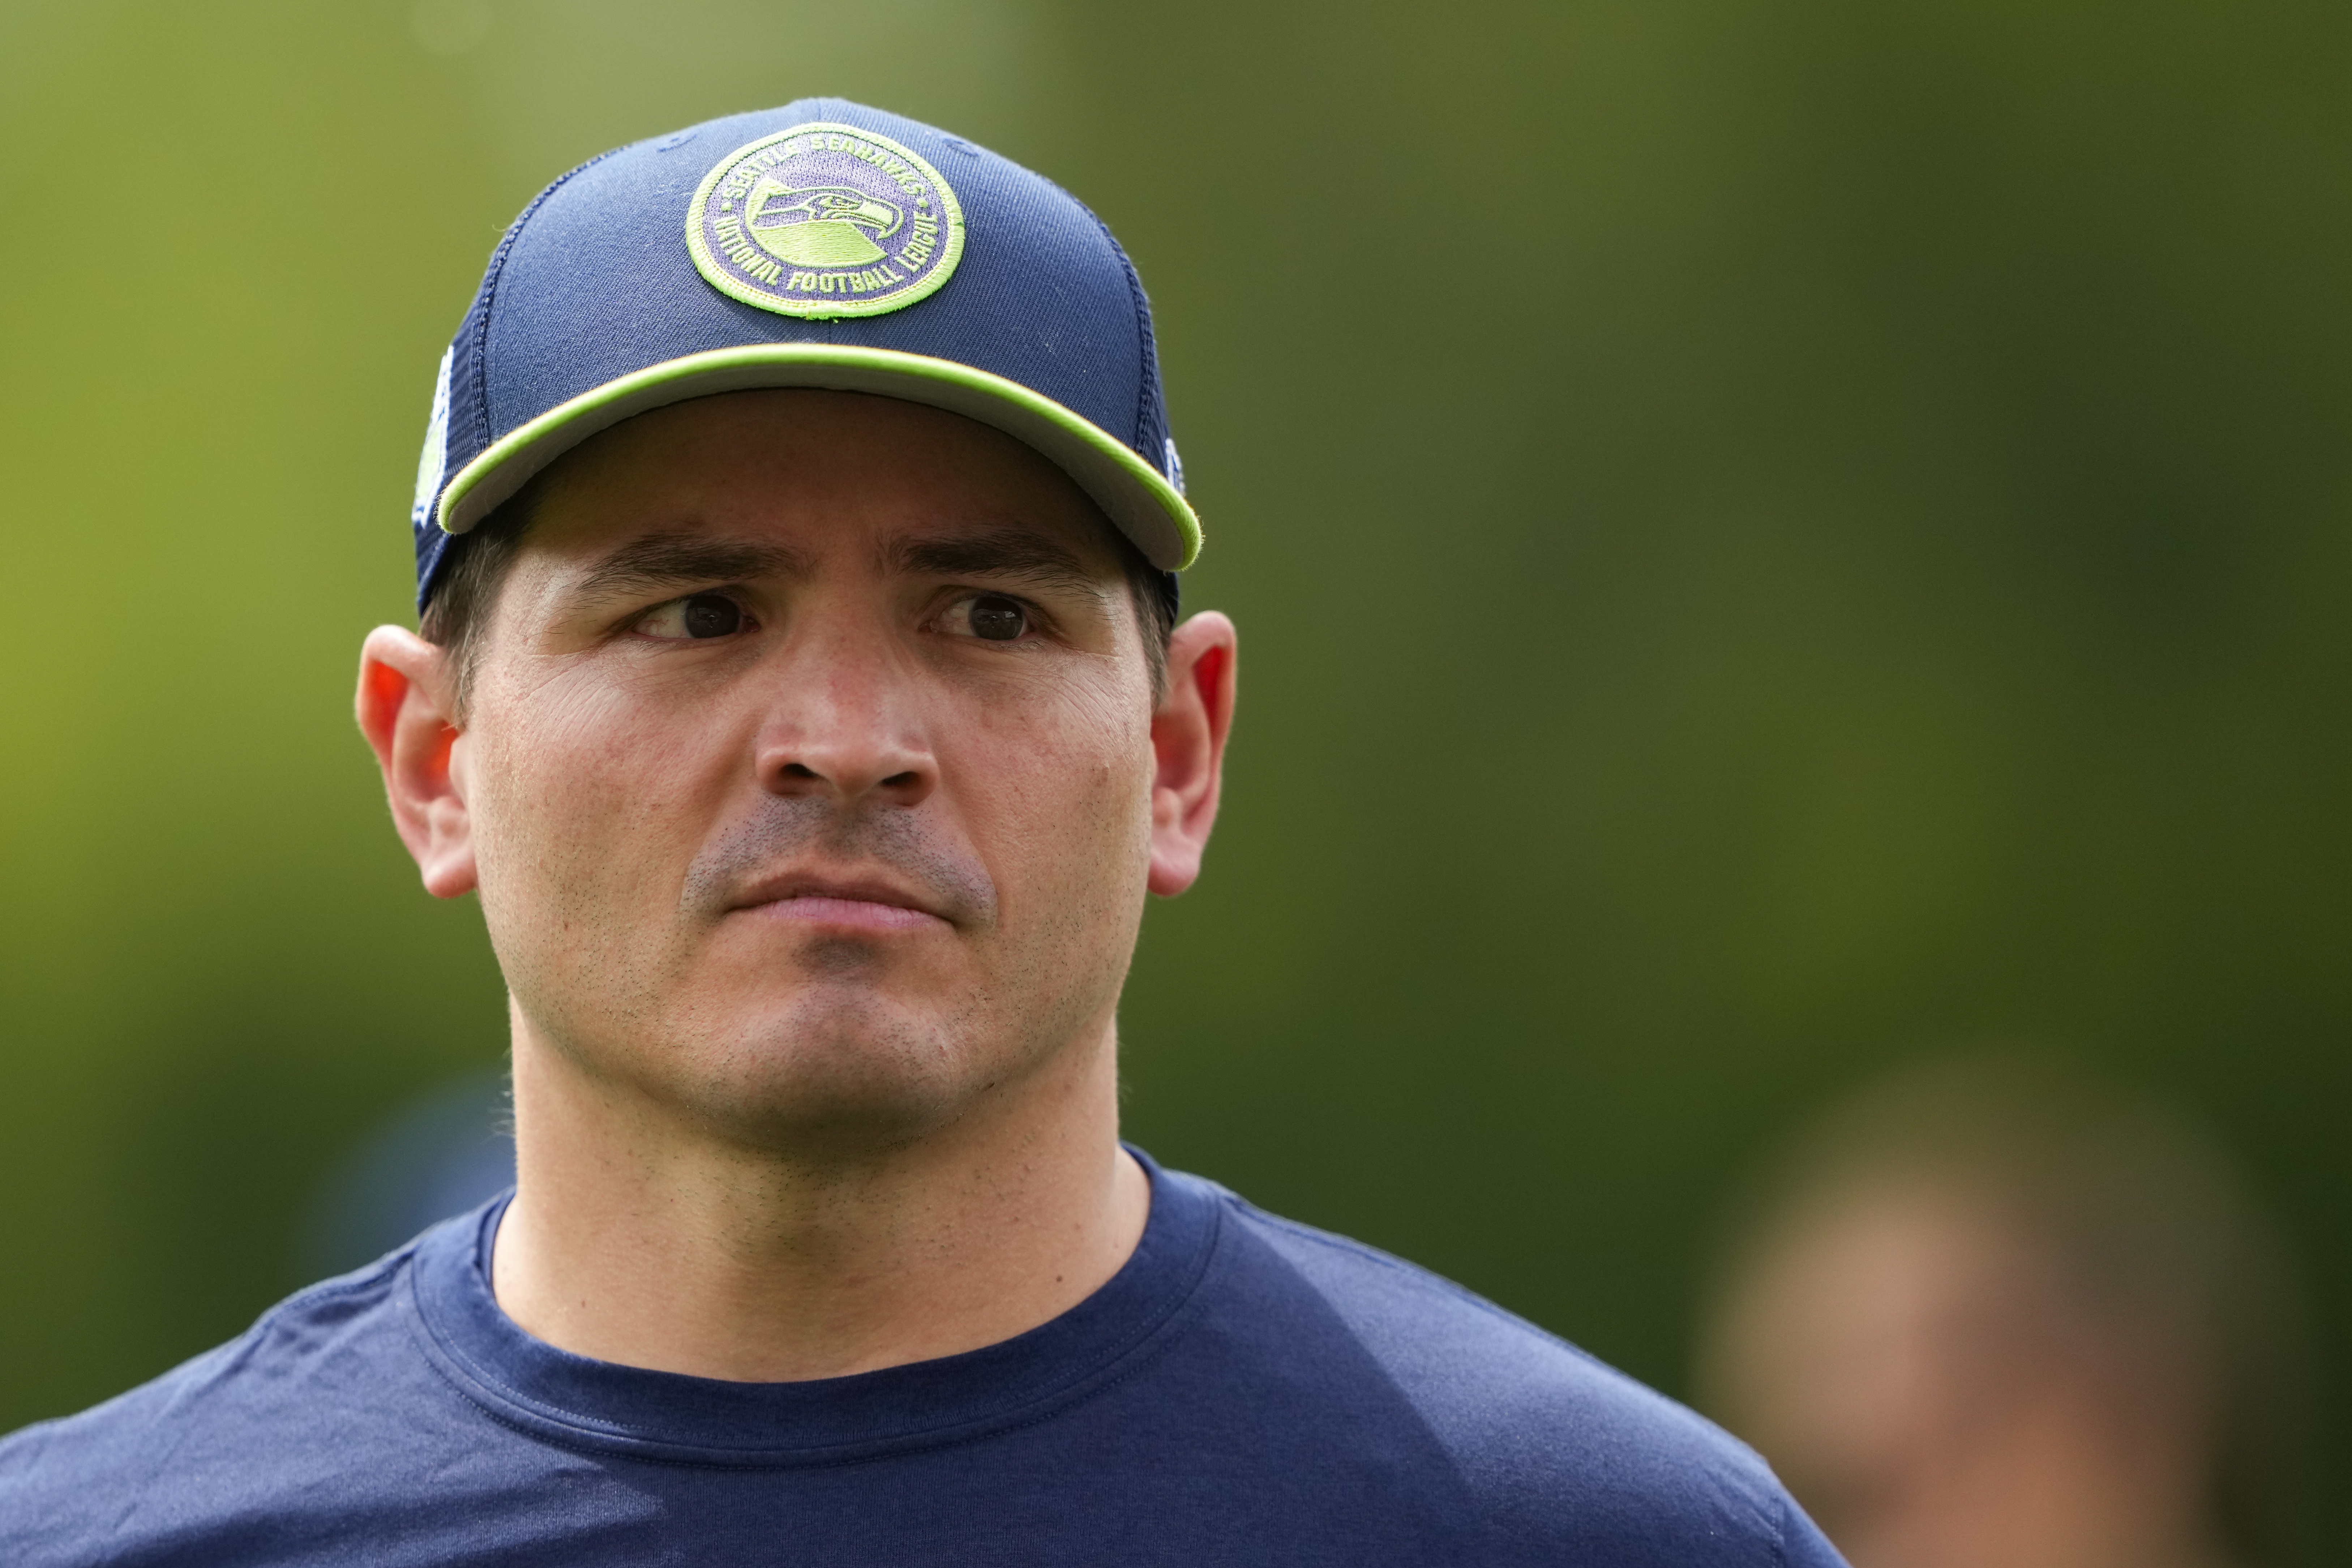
x=1244, y=1390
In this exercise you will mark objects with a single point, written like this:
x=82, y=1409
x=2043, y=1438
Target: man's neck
x=634, y=1240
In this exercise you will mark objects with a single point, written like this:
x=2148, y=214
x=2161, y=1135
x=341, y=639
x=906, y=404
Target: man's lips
x=855, y=903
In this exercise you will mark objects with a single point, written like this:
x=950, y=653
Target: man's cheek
x=566, y=822
x=1088, y=812
x=1092, y=747
x=600, y=756
x=585, y=727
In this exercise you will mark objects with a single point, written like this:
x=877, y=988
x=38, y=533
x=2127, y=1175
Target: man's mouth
x=853, y=903
x=869, y=871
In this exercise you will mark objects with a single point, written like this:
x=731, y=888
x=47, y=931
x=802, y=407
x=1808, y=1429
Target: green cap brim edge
x=1136, y=496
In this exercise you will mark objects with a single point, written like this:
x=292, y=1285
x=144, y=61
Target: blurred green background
x=1768, y=537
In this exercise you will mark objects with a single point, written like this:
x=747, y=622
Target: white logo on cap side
x=432, y=463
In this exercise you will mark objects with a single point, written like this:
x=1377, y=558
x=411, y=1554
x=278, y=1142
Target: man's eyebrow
x=1005, y=553
x=671, y=560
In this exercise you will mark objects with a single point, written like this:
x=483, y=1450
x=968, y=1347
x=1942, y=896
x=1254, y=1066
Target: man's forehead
x=984, y=547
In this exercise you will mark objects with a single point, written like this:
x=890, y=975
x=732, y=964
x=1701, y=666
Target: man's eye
x=990, y=616
x=695, y=615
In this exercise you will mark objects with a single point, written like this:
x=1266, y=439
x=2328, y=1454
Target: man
x=799, y=686
x=1993, y=1313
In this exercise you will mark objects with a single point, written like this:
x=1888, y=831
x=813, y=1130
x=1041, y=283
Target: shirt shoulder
x=216, y=1450
x=1557, y=1449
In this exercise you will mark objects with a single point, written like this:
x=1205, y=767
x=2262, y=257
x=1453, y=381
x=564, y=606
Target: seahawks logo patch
x=824, y=220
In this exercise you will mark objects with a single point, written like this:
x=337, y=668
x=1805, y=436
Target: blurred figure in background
x=1987, y=1315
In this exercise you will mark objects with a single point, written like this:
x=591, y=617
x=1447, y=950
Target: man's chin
x=839, y=1070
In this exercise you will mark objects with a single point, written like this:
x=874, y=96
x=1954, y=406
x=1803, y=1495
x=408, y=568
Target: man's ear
x=1188, y=735
x=405, y=711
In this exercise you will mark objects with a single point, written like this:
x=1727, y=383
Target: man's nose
x=844, y=725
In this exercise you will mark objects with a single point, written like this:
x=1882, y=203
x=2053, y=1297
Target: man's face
x=809, y=764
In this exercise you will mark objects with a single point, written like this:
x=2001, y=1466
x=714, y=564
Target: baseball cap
x=823, y=244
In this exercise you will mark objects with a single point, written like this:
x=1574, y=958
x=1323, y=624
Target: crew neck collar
x=586, y=1404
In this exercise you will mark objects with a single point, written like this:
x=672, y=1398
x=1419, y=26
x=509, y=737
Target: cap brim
x=1136, y=496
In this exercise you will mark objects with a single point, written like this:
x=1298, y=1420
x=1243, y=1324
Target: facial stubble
x=843, y=1055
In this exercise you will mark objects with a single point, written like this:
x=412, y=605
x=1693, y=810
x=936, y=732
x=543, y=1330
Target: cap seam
x=497, y=275
x=1147, y=378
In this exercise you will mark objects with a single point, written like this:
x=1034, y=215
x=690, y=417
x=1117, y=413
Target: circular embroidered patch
x=824, y=220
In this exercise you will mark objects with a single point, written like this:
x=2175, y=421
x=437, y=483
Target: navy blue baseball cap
x=819, y=244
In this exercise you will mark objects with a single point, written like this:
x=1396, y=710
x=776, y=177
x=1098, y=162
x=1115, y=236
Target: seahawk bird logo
x=818, y=225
